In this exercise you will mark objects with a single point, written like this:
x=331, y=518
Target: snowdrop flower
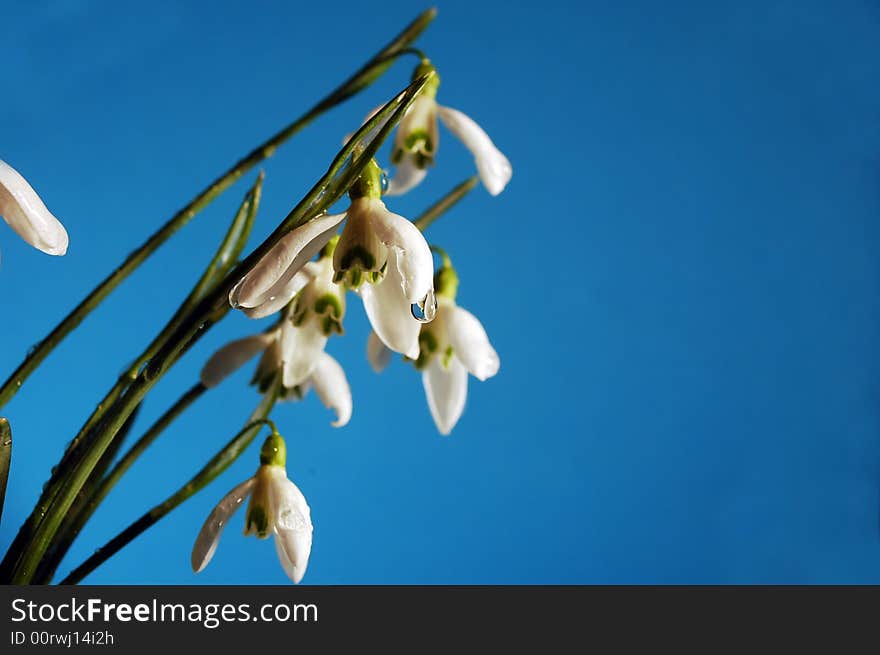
x=381, y=255
x=22, y=208
x=416, y=141
x=452, y=346
x=297, y=352
x=277, y=508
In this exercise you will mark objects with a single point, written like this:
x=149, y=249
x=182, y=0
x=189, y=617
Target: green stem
x=5, y=459
x=361, y=79
x=219, y=463
x=445, y=203
x=444, y=256
x=224, y=259
x=330, y=188
x=105, y=486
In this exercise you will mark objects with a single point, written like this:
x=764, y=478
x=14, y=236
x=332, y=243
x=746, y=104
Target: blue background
x=681, y=281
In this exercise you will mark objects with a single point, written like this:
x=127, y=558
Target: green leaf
x=5, y=458
x=208, y=473
x=361, y=79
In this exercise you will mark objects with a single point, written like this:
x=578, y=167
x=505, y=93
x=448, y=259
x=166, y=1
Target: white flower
x=23, y=210
x=452, y=346
x=274, y=278
x=386, y=258
x=381, y=255
x=277, y=508
x=298, y=353
x=416, y=141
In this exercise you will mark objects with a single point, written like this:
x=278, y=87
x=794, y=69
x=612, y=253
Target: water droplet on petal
x=383, y=181
x=426, y=310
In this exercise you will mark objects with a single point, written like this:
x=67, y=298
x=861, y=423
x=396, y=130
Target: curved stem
x=444, y=256
x=361, y=79
x=219, y=463
x=5, y=459
x=333, y=185
x=446, y=203
x=224, y=259
x=105, y=486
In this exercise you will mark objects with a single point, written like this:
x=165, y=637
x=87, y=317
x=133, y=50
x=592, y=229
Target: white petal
x=390, y=313
x=209, y=535
x=269, y=363
x=233, y=356
x=446, y=390
x=421, y=117
x=22, y=208
x=301, y=347
x=471, y=343
x=415, y=263
x=406, y=177
x=272, y=273
x=285, y=295
x=293, y=528
x=332, y=388
x=494, y=168
x=378, y=354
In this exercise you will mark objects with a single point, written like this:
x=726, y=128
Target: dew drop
x=383, y=181
x=426, y=310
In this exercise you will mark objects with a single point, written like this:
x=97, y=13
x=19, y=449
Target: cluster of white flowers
x=386, y=261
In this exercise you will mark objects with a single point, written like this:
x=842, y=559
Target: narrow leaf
x=5, y=458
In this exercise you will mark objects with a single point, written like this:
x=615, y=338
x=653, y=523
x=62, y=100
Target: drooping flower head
x=25, y=212
x=385, y=258
x=417, y=139
x=294, y=348
x=451, y=346
x=277, y=509
x=381, y=255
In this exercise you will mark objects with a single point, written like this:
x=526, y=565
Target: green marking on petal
x=257, y=522
x=296, y=392
x=355, y=277
x=299, y=316
x=428, y=341
x=415, y=138
x=428, y=345
x=357, y=253
x=447, y=357
x=329, y=303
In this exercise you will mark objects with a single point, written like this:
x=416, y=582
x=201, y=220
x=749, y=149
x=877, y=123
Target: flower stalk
x=157, y=513
x=223, y=260
x=83, y=512
x=333, y=185
x=446, y=203
x=302, y=272
x=5, y=459
x=360, y=80
x=217, y=465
